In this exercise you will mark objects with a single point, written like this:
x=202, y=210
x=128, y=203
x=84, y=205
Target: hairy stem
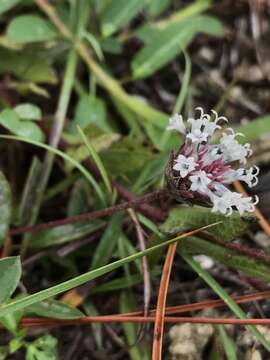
x=94, y=214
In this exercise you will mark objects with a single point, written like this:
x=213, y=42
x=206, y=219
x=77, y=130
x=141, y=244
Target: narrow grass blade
x=228, y=344
x=97, y=161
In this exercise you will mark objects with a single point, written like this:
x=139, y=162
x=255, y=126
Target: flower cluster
x=207, y=169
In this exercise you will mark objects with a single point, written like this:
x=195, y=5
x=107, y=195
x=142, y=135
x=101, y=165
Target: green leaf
x=30, y=28
x=100, y=142
x=28, y=66
x=10, y=273
x=228, y=343
x=183, y=218
x=28, y=111
x=254, y=129
x=55, y=309
x=155, y=7
x=94, y=44
x=44, y=348
x=5, y=207
x=125, y=156
x=91, y=110
x=97, y=161
x=91, y=310
x=111, y=45
x=107, y=244
x=119, y=13
x=168, y=43
x=6, y=5
x=64, y=233
x=30, y=189
x=127, y=305
x=27, y=129
x=230, y=258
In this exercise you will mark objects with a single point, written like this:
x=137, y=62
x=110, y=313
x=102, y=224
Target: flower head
x=207, y=169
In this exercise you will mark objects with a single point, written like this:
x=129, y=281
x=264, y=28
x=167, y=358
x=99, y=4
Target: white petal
x=176, y=123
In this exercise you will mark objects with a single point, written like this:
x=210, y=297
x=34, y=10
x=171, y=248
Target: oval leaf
x=27, y=129
x=5, y=207
x=166, y=44
x=119, y=13
x=64, y=233
x=10, y=273
x=6, y=5
x=55, y=309
x=30, y=28
x=28, y=111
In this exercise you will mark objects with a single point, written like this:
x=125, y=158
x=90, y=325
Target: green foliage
x=28, y=111
x=230, y=258
x=227, y=342
x=10, y=273
x=87, y=70
x=5, y=207
x=6, y=5
x=107, y=245
x=10, y=120
x=166, y=44
x=55, y=309
x=44, y=348
x=125, y=156
x=119, y=13
x=255, y=129
x=28, y=66
x=127, y=304
x=30, y=28
x=184, y=218
x=91, y=110
x=155, y=7
x=64, y=233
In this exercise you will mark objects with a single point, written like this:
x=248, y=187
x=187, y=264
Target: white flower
x=243, y=203
x=249, y=176
x=222, y=204
x=203, y=128
x=210, y=167
x=184, y=164
x=232, y=150
x=176, y=123
x=213, y=153
x=200, y=182
x=197, y=132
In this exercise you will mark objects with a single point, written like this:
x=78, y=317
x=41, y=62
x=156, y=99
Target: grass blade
x=97, y=161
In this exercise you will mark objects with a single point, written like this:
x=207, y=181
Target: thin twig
x=173, y=309
x=29, y=322
x=161, y=303
x=94, y=214
x=262, y=295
